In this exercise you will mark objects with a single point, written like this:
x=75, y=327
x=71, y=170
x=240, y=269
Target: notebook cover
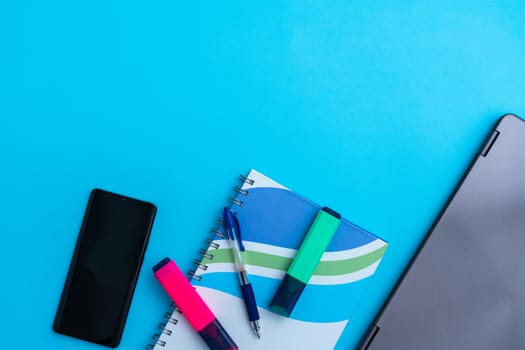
x=273, y=221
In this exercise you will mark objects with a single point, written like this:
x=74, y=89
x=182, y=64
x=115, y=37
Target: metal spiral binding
x=216, y=232
x=237, y=202
x=204, y=253
x=241, y=191
x=247, y=180
x=170, y=319
x=156, y=337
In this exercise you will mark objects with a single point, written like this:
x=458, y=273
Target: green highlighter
x=306, y=260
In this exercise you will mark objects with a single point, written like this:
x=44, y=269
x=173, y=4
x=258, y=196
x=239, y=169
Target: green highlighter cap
x=306, y=260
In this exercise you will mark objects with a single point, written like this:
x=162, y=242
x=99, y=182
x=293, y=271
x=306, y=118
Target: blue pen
x=234, y=235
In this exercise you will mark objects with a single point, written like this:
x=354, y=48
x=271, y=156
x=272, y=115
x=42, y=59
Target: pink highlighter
x=192, y=306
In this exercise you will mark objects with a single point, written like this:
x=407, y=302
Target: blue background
x=374, y=108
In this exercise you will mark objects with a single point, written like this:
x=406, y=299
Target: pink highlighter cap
x=183, y=294
x=192, y=306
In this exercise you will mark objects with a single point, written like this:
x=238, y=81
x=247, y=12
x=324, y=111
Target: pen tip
x=257, y=328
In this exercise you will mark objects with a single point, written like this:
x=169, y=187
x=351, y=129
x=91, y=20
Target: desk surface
x=385, y=102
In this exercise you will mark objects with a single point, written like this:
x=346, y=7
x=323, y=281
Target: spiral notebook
x=274, y=220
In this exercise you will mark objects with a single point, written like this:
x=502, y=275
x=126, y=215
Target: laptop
x=465, y=287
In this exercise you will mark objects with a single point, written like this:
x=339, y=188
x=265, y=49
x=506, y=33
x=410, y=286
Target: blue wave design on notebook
x=281, y=217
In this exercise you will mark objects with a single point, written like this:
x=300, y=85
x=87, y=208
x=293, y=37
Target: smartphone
x=104, y=269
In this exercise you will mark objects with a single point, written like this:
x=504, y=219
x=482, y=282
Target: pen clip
x=238, y=229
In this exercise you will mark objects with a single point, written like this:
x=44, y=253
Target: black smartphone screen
x=104, y=268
